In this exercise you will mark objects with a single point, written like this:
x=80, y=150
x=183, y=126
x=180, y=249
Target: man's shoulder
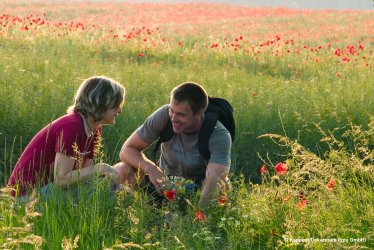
x=155, y=123
x=220, y=130
x=163, y=109
x=160, y=112
x=220, y=137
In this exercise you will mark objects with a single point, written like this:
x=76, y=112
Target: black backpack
x=218, y=109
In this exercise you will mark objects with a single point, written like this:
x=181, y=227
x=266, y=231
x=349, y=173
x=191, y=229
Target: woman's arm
x=64, y=174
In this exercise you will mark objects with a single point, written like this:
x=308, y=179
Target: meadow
x=300, y=82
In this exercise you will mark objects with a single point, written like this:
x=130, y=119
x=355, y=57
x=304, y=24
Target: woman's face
x=110, y=115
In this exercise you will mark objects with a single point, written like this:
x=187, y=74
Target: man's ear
x=200, y=112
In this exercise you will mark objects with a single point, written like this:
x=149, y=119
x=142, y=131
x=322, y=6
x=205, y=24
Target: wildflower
x=281, y=168
x=338, y=74
x=331, y=184
x=189, y=185
x=254, y=93
x=287, y=198
x=351, y=49
x=170, y=194
x=200, y=216
x=222, y=200
x=140, y=54
x=263, y=169
x=301, y=195
x=338, y=52
x=302, y=204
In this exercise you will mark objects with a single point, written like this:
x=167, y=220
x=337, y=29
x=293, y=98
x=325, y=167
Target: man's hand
x=157, y=178
x=132, y=154
x=215, y=174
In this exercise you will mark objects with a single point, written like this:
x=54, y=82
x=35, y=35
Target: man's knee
x=128, y=175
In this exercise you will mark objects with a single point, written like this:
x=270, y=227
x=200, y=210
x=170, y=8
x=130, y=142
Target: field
x=300, y=82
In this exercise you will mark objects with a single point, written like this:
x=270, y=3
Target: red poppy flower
x=303, y=203
x=338, y=52
x=286, y=198
x=200, y=216
x=223, y=200
x=338, y=74
x=140, y=54
x=263, y=169
x=170, y=194
x=281, y=168
x=331, y=184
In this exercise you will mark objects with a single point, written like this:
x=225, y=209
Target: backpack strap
x=166, y=134
x=206, y=131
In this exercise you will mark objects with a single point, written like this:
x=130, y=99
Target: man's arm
x=216, y=174
x=64, y=174
x=132, y=154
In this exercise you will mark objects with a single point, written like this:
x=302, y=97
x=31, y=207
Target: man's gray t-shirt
x=180, y=156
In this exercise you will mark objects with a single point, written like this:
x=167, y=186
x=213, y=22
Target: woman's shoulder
x=73, y=120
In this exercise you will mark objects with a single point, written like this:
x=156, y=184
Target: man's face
x=183, y=119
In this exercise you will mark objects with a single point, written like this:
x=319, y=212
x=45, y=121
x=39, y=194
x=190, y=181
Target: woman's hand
x=109, y=171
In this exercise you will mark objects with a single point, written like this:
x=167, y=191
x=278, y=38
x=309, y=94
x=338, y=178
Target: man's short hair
x=193, y=93
x=96, y=95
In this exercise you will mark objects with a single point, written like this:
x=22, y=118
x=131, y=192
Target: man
x=180, y=155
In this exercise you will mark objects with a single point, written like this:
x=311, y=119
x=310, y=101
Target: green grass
x=48, y=76
x=257, y=216
x=287, y=108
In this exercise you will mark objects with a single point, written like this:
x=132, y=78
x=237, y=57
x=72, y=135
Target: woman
x=62, y=152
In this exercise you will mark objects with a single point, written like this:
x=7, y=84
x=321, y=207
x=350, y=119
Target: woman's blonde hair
x=96, y=95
